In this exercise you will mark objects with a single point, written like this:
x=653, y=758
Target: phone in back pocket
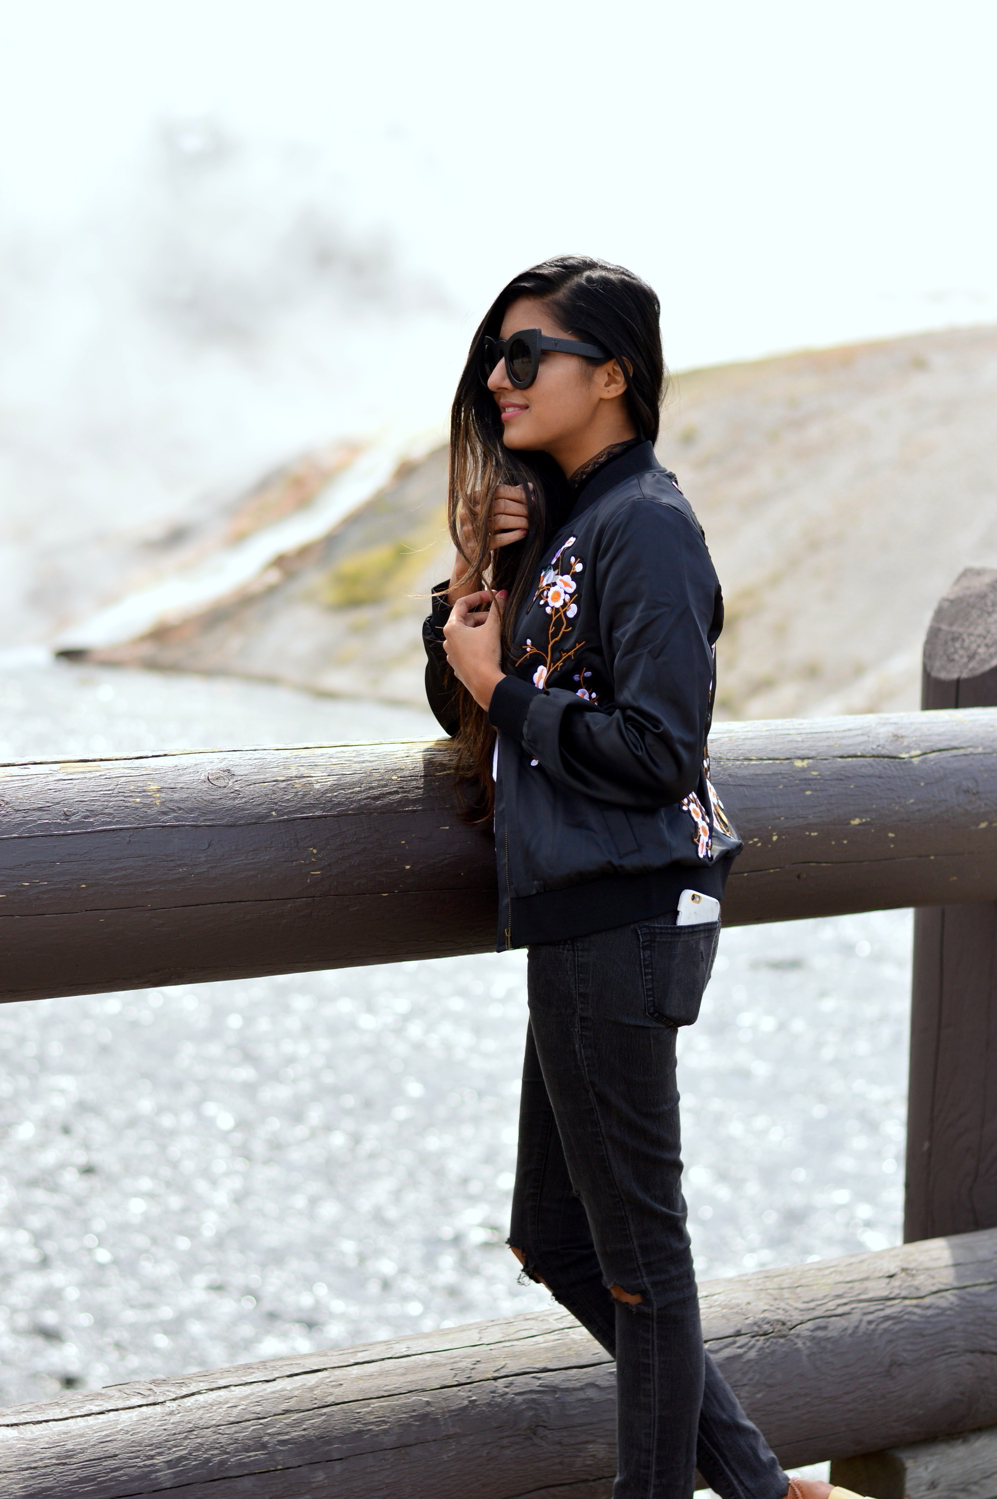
x=695, y=908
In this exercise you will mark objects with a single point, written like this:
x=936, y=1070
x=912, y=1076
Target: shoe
x=815, y=1488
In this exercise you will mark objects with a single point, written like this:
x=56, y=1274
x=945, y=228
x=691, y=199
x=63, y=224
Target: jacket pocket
x=676, y=963
x=620, y=830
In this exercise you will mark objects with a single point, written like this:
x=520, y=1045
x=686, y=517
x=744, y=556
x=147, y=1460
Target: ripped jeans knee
x=628, y=1298
x=529, y=1271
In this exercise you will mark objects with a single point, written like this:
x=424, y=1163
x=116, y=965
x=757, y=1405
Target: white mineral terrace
x=191, y=589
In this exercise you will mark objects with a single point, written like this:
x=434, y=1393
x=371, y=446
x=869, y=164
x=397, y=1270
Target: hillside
x=841, y=490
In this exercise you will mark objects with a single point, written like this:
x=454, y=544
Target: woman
x=579, y=686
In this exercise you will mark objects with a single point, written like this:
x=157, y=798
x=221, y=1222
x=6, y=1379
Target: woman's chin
x=514, y=436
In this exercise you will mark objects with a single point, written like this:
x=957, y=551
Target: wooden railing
x=831, y=1359
x=160, y=869
x=124, y=873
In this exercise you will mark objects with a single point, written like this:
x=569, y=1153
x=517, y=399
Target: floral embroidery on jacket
x=719, y=814
x=702, y=837
x=555, y=591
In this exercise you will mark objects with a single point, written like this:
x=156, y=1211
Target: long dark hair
x=597, y=303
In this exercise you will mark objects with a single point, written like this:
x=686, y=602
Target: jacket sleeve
x=659, y=608
x=441, y=684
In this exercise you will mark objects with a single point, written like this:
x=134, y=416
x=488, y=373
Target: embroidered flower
x=552, y=576
x=583, y=691
x=558, y=590
x=554, y=591
x=702, y=836
x=719, y=812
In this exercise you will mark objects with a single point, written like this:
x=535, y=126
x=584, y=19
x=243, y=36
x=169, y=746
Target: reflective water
x=202, y=1175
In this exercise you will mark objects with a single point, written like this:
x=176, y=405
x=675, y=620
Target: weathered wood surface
x=960, y=648
x=831, y=1359
x=164, y=869
x=952, y=1110
x=957, y=1468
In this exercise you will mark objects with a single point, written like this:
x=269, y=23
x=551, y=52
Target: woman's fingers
x=508, y=497
x=511, y=500
x=461, y=616
x=509, y=519
x=475, y=653
x=505, y=538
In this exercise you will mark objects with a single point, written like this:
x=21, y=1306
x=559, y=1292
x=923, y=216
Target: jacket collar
x=636, y=461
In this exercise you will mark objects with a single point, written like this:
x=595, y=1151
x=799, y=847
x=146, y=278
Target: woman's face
x=553, y=414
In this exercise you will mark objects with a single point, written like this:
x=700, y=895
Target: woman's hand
x=508, y=521
x=473, y=643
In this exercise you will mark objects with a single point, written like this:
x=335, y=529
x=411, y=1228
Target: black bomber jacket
x=605, y=810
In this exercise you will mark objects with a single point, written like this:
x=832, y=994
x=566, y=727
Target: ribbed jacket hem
x=616, y=900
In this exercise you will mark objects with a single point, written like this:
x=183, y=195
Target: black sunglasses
x=522, y=351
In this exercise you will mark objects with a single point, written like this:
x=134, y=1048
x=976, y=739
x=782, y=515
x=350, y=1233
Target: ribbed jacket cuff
x=439, y=611
x=510, y=704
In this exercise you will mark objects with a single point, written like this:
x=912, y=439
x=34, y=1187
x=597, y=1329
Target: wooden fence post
x=964, y=1465
x=951, y=1184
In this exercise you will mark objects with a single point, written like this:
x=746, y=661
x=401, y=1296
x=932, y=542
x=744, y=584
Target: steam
x=245, y=244
x=221, y=309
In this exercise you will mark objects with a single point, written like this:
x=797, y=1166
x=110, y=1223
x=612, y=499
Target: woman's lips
x=508, y=412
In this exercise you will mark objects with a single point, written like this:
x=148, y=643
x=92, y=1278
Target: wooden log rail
x=127, y=873
x=831, y=1359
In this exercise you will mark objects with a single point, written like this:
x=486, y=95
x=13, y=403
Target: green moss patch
x=368, y=577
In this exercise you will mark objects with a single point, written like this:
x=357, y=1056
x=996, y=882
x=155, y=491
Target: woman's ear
x=612, y=379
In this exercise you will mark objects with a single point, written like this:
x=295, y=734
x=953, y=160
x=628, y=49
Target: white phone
x=695, y=908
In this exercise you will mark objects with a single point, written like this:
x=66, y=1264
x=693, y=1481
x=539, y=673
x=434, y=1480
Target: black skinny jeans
x=598, y=1211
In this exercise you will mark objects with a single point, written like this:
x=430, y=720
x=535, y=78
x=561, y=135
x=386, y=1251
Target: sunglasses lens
x=519, y=362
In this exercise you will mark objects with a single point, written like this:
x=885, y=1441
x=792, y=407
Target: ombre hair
x=598, y=303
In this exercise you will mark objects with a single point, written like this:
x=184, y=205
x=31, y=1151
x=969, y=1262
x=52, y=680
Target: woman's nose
x=498, y=379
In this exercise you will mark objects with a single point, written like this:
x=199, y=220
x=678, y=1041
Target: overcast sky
x=233, y=229
x=783, y=173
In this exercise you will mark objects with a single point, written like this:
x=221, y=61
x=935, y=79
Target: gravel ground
x=202, y=1175
x=52, y=710
x=206, y=1174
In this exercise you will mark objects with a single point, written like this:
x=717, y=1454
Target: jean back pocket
x=676, y=963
